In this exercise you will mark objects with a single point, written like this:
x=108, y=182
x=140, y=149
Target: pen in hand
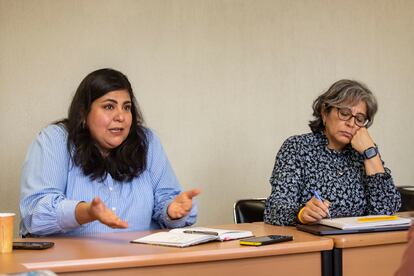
x=201, y=232
x=320, y=199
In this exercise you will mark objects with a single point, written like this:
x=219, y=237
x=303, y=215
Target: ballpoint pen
x=201, y=232
x=320, y=199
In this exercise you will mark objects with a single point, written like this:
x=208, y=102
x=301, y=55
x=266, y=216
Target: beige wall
x=222, y=82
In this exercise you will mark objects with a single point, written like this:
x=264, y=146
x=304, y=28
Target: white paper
x=353, y=223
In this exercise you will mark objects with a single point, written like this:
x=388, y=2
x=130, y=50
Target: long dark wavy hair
x=124, y=162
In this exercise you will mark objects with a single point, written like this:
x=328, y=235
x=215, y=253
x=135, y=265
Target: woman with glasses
x=336, y=170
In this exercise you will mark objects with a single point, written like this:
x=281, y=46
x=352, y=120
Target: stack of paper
x=182, y=237
x=365, y=222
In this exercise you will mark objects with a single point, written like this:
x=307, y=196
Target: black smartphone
x=263, y=240
x=32, y=245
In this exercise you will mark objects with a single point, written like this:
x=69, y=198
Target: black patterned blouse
x=305, y=164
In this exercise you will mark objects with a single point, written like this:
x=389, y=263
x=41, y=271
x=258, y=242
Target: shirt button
x=113, y=208
x=110, y=188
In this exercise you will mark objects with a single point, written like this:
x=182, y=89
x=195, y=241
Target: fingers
x=362, y=140
x=308, y=217
x=179, y=213
x=318, y=206
x=312, y=214
x=185, y=198
x=176, y=210
x=118, y=223
x=363, y=132
x=105, y=215
x=181, y=205
x=96, y=201
x=113, y=221
x=315, y=210
x=192, y=193
x=96, y=207
x=123, y=224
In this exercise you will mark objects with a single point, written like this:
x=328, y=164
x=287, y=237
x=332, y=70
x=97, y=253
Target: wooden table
x=369, y=253
x=108, y=254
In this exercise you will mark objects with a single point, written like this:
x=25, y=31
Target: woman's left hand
x=362, y=140
x=181, y=205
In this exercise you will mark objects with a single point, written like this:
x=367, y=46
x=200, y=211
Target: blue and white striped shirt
x=52, y=185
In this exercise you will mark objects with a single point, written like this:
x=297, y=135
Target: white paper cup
x=6, y=232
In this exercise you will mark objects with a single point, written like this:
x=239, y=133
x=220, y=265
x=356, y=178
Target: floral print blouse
x=305, y=164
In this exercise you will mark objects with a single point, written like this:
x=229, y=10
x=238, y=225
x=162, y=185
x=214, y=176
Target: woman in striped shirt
x=100, y=169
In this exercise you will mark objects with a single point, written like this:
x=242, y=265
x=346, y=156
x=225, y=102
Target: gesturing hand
x=181, y=205
x=98, y=211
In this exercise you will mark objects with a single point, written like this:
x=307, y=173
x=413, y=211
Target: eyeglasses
x=345, y=113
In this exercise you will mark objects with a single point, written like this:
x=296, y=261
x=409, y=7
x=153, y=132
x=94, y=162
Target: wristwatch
x=370, y=153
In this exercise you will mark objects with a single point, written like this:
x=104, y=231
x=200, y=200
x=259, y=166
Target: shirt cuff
x=66, y=215
x=379, y=177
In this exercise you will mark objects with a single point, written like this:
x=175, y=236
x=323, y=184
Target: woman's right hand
x=96, y=210
x=314, y=211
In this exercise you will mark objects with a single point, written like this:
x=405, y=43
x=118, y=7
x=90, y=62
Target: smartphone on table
x=32, y=245
x=263, y=240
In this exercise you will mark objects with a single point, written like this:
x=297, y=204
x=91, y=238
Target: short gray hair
x=342, y=91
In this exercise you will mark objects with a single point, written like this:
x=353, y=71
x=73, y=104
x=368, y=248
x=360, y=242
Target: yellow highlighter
x=377, y=218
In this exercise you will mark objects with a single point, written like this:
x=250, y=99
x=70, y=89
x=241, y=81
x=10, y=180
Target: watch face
x=370, y=152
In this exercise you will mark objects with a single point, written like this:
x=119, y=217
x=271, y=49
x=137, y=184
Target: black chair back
x=407, y=198
x=249, y=210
